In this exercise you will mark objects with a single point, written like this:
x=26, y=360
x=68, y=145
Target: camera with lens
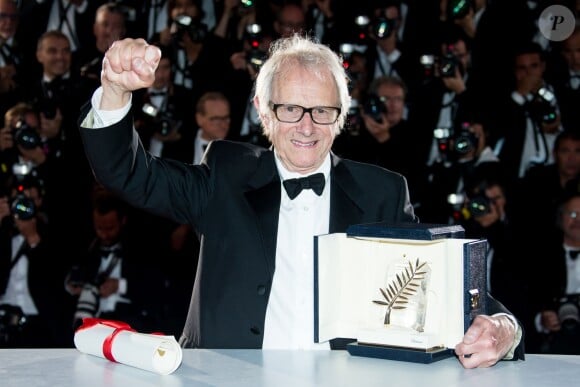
x=448, y=64
x=478, y=205
x=464, y=141
x=568, y=308
x=542, y=108
x=25, y=135
x=374, y=107
x=88, y=303
x=458, y=9
x=255, y=56
x=453, y=143
x=186, y=25
x=247, y=3
x=89, y=298
x=22, y=207
x=383, y=27
x=162, y=122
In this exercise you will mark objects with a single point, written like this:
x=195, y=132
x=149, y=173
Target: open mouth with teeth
x=304, y=144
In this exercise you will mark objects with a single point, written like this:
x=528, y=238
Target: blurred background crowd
x=466, y=98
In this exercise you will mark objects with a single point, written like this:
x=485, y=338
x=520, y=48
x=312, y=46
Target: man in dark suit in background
x=254, y=283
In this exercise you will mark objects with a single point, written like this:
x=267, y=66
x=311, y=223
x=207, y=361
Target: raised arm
x=128, y=65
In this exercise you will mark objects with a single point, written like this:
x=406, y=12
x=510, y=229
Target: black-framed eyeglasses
x=322, y=115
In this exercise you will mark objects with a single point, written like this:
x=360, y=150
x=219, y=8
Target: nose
x=305, y=125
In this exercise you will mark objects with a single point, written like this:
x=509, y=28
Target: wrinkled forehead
x=293, y=74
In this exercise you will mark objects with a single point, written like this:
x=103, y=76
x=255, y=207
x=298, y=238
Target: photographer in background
x=57, y=94
x=384, y=135
x=23, y=147
x=554, y=284
x=31, y=271
x=528, y=120
x=446, y=97
x=196, y=52
x=163, y=114
x=109, y=24
x=554, y=179
x=487, y=213
x=386, y=54
x=245, y=64
x=115, y=278
x=465, y=148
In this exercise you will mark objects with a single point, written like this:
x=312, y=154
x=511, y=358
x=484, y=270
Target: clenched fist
x=128, y=65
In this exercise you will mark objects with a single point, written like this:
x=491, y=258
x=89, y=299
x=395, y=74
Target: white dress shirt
x=17, y=292
x=107, y=304
x=290, y=313
x=199, y=147
x=66, y=23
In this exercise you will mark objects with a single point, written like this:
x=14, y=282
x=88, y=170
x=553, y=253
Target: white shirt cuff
x=517, y=338
x=102, y=118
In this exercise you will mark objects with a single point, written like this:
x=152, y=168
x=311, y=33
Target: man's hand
x=128, y=65
x=379, y=130
x=6, y=138
x=550, y=320
x=486, y=341
x=110, y=286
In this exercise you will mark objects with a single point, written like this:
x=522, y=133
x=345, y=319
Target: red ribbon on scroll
x=119, y=326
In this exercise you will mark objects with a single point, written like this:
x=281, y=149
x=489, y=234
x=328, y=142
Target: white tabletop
x=69, y=367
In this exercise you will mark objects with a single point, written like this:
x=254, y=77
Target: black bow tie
x=295, y=186
x=157, y=93
x=573, y=254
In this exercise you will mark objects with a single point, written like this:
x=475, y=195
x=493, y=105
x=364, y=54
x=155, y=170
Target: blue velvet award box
x=402, y=291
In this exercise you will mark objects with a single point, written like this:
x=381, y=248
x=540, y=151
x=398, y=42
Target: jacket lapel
x=344, y=208
x=263, y=195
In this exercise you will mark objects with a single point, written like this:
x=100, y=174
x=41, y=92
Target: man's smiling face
x=302, y=146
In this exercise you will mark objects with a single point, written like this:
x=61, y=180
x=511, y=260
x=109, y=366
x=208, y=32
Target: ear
x=265, y=119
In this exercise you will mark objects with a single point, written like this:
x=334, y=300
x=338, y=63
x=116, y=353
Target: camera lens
x=256, y=58
x=185, y=24
x=23, y=208
x=541, y=108
x=569, y=315
x=374, y=107
x=448, y=64
x=383, y=27
x=26, y=136
x=464, y=140
x=458, y=9
x=247, y=3
x=464, y=143
x=478, y=205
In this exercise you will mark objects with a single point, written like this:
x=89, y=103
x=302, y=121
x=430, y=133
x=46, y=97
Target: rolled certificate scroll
x=118, y=342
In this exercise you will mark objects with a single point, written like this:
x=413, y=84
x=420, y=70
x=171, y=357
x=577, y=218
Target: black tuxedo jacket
x=233, y=200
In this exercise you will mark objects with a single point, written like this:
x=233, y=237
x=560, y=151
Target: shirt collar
x=286, y=174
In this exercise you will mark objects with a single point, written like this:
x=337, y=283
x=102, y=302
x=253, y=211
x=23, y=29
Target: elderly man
x=253, y=287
